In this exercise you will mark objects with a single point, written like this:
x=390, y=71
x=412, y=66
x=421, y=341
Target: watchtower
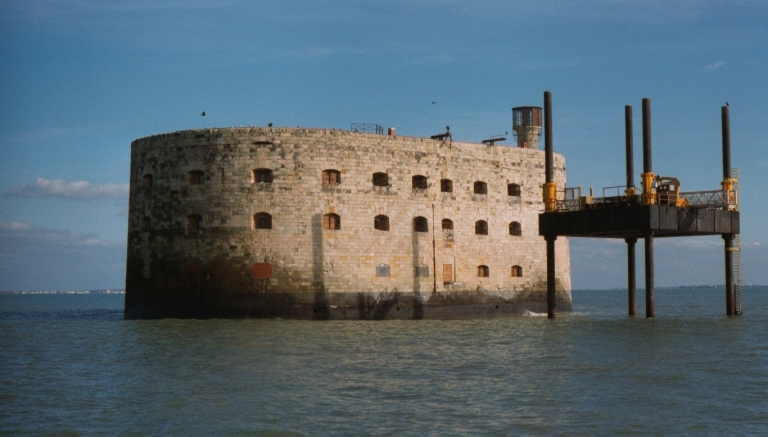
x=526, y=122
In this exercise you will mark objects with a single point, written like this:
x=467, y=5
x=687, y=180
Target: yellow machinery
x=668, y=192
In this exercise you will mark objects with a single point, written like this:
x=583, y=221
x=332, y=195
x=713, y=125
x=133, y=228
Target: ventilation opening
x=331, y=178
x=481, y=187
x=481, y=227
x=262, y=175
x=419, y=182
x=380, y=180
x=331, y=222
x=420, y=224
x=446, y=186
x=381, y=223
x=483, y=271
x=194, y=224
x=195, y=177
x=262, y=220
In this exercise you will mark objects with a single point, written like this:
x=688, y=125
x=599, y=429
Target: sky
x=81, y=79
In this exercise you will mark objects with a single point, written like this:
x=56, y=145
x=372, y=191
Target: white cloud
x=14, y=226
x=14, y=234
x=715, y=65
x=43, y=187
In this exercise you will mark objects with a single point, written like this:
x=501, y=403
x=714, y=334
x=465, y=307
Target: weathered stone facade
x=244, y=222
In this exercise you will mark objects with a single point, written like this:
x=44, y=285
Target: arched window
x=420, y=224
x=195, y=177
x=513, y=190
x=380, y=180
x=516, y=272
x=481, y=227
x=381, y=222
x=481, y=187
x=447, y=224
x=262, y=176
x=148, y=180
x=419, y=182
x=331, y=177
x=515, y=229
x=446, y=186
x=331, y=222
x=483, y=271
x=262, y=220
x=194, y=224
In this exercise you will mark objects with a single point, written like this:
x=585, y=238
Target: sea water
x=69, y=363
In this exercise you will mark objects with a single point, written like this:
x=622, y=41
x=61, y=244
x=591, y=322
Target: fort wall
x=283, y=222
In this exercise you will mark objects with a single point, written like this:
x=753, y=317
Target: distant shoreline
x=97, y=291
x=673, y=287
x=105, y=291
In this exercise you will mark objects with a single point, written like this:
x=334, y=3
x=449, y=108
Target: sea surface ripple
x=71, y=364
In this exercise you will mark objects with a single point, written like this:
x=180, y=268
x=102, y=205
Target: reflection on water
x=71, y=364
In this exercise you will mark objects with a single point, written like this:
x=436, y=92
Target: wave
x=529, y=313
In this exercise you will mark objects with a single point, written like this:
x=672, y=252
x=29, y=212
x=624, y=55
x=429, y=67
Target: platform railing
x=714, y=199
x=367, y=128
x=571, y=199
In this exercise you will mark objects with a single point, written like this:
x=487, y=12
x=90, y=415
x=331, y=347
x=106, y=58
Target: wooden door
x=447, y=273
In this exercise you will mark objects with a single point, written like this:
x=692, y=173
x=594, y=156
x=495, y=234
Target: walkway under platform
x=628, y=221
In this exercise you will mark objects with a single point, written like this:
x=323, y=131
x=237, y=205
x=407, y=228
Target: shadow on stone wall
x=320, y=308
x=415, y=255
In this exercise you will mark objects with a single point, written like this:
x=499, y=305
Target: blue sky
x=82, y=78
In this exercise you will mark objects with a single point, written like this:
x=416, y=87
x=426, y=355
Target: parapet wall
x=195, y=245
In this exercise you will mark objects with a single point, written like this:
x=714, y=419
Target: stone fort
x=337, y=224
